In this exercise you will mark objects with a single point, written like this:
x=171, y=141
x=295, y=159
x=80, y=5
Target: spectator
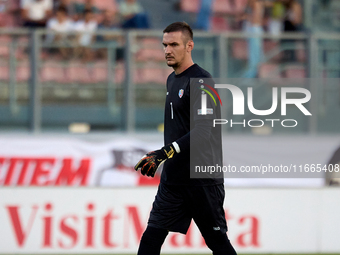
x=292, y=23
x=85, y=29
x=203, y=16
x=59, y=27
x=80, y=8
x=109, y=23
x=3, y=14
x=275, y=26
x=133, y=15
x=254, y=13
x=13, y=9
x=35, y=13
x=66, y=5
x=293, y=16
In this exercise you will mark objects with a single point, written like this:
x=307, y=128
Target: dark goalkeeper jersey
x=184, y=124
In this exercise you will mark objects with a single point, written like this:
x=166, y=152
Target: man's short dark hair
x=62, y=9
x=180, y=26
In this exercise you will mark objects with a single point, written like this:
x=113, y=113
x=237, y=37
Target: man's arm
x=196, y=138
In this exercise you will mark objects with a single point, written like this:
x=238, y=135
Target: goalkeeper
x=188, y=136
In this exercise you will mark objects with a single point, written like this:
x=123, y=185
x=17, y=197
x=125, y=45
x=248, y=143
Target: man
x=35, y=13
x=180, y=198
x=58, y=28
x=254, y=15
x=133, y=15
x=85, y=29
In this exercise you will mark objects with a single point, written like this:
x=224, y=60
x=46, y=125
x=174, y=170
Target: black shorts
x=175, y=206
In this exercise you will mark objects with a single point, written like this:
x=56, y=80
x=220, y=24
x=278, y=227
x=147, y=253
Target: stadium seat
x=106, y=5
x=137, y=76
x=240, y=49
x=190, y=5
x=219, y=24
x=150, y=54
x=151, y=49
x=7, y=20
x=158, y=75
x=77, y=72
x=269, y=70
x=119, y=74
x=301, y=54
x=13, y=5
x=219, y=6
x=166, y=73
x=271, y=45
x=4, y=73
x=53, y=72
x=23, y=72
x=222, y=6
x=99, y=72
x=23, y=47
x=5, y=41
x=13, y=9
x=295, y=72
x=149, y=74
x=240, y=5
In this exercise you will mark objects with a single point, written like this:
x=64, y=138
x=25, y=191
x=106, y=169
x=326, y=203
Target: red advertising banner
x=106, y=220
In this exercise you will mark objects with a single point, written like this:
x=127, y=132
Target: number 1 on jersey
x=172, y=111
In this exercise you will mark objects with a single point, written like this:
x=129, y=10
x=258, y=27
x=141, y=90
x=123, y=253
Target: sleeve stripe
x=176, y=146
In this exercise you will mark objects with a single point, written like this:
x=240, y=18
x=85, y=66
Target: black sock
x=152, y=241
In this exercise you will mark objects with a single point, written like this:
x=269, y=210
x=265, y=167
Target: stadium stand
x=240, y=49
x=78, y=72
x=150, y=49
x=107, y=5
x=99, y=72
x=23, y=72
x=147, y=65
x=269, y=70
x=295, y=72
x=222, y=7
x=52, y=71
x=219, y=6
x=190, y=5
x=219, y=24
x=4, y=73
x=5, y=41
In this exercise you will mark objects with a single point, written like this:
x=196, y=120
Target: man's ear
x=190, y=45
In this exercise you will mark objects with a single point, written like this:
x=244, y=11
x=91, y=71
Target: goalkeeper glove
x=151, y=161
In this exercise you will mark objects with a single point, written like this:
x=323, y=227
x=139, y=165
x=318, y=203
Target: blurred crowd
x=273, y=16
x=73, y=14
x=75, y=21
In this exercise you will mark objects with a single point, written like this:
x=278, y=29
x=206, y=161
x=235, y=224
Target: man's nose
x=167, y=50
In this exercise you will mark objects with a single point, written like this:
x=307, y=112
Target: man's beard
x=173, y=65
